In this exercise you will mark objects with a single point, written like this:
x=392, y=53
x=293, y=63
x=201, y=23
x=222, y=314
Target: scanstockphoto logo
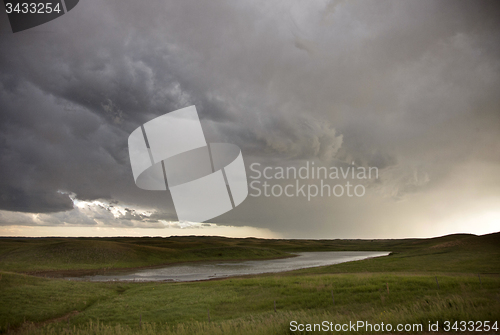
x=26, y=14
x=204, y=179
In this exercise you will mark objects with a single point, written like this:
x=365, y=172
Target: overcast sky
x=409, y=87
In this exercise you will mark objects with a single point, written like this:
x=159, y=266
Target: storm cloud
x=411, y=88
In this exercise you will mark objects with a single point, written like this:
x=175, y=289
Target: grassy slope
x=245, y=305
x=45, y=254
x=459, y=254
x=30, y=255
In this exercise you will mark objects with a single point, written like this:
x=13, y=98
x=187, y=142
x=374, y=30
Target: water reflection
x=210, y=270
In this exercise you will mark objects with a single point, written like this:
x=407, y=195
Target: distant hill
x=460, y=253
x=454, y=252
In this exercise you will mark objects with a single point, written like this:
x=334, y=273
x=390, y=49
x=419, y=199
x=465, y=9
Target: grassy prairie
x=448, y=254
x=56, y=254
x=245, y=305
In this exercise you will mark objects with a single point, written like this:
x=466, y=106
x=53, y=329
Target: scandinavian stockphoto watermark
x=310, y=180
x=368, y=327
x=26, y=14
x=204, y=179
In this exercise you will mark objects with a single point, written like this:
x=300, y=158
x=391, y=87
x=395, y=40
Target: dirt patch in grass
x=65, y=317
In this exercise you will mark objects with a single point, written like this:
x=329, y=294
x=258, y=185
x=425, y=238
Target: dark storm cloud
x=68, y=108
x=408, y=87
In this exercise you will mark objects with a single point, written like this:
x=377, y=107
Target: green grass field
x=59, y=254
x=397, y=289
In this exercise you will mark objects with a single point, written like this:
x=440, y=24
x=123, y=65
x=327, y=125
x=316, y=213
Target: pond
x=211, y=270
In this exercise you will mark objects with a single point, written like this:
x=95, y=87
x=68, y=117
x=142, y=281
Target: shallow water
x=211, y=270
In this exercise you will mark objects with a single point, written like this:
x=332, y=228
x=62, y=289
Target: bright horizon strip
x=479, y=221
x=225, y=231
